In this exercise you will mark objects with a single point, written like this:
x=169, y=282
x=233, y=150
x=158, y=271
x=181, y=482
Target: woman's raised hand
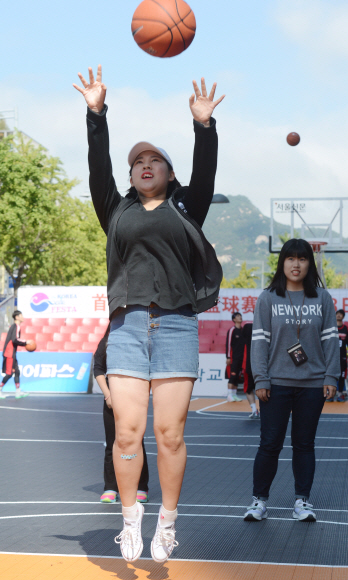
x=202, y=108
x=95, y=91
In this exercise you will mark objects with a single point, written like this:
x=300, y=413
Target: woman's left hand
x=329, y=391
x=202, y=108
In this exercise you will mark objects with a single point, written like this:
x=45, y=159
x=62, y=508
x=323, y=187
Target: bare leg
x=130, y=400
x=171, y=399
x=250, y=397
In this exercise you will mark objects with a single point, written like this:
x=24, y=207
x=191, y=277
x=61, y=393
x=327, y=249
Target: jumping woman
x=161, y=273
x=295, y=363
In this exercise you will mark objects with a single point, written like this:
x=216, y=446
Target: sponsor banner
x=63, y=302
x=91, y=302
x=211, y=380
x=243, y=300
x=52, y=372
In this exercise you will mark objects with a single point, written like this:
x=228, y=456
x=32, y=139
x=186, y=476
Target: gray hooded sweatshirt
x=275, y=330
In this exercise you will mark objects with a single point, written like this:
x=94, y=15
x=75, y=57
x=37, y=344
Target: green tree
x=332, y=278
x=46, y=236
x=245, y=279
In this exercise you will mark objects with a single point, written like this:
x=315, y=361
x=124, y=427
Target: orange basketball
x=163, y=28
x=293, y=139
x=31, y=346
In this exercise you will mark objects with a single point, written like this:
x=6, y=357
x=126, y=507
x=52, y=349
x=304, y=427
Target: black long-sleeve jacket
x=99, y=363
x=12, y=342
x=191, y=205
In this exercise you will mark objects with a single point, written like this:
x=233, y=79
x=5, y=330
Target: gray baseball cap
x=145, y=146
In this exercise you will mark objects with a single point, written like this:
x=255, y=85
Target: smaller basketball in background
x=31, y=346
x=293, y=139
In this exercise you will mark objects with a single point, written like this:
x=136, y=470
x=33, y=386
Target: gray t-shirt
x=275, y=330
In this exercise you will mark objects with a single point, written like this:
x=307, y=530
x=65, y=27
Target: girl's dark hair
x=172, y=185
x=296, y=248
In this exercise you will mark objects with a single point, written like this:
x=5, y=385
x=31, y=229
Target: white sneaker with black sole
x=257, y=511
x=303, y=511
x=163, y=543
x=130, y=540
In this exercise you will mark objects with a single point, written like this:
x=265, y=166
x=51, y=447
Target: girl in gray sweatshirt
x=295, y=364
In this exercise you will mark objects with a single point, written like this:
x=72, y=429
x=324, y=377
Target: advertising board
x=52, y=372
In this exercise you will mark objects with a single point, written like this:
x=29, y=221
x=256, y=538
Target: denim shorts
x=153, y=343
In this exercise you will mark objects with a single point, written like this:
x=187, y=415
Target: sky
x=281, y=63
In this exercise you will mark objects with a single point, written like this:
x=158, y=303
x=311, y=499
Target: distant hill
x=240, y=232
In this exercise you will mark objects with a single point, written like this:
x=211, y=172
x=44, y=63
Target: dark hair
x=341, y=311
x=296, y=248
x=235, y=314
x=172, y=185
x=16, y=313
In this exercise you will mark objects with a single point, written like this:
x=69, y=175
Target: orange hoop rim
x=317, y=246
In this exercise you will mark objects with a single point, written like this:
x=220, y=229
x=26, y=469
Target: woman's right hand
x=94, y=92
x=263, y=394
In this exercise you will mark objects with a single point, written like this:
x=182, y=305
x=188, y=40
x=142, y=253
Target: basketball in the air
x=163, y=28
x=293, y=139
x=31, y=346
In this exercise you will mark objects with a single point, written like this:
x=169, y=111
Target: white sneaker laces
x=128, y=536
x=306, y=506
x=166, y=537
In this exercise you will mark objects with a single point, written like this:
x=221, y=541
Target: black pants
x=306, y=405
x=15, y=370
x=341, y=383
x=109, y=472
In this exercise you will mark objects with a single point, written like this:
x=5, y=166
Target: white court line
x=246, y=436
x=52, y=410
x=339, y=417
x=228, y=516
x=154, y=443
x=242, y=458
x=296, y=564
x=185, y=505
x=52, y=441
x=211, y=406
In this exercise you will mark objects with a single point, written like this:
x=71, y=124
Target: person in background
x=10, y=363
x=295, y=314
x=234, y=357
x=249, y=385
x=343, y=338
x=110, y=494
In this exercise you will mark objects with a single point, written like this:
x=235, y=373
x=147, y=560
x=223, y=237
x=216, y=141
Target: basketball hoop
x=318, y=248
x=317, y=245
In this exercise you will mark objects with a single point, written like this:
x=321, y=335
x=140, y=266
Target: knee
x=168, y=440
x=127, y=438
x=303, y=446
x=270, y=447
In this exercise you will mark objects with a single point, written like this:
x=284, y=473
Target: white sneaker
x=163, y=543
x=229, y=398
x=303, y=511
x=257, y=511
x=255, y=415
x=236, y=399
x=130, y=540
x=2, y=395
x=19, y=394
